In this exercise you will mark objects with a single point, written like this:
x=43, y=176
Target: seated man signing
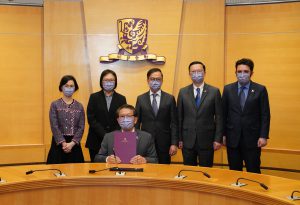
x=145, y=148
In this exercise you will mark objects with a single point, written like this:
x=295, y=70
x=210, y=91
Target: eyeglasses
x=155, y=79
x=122, y=117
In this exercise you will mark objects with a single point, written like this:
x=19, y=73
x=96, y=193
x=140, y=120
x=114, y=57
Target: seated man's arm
x=151, y=156
x=103, y=152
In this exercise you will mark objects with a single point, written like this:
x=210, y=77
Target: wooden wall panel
x=20, y=82
x=269, y=34
x=163, y=19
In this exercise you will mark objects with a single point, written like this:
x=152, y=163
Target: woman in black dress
x=67, y=125
x=101, y=111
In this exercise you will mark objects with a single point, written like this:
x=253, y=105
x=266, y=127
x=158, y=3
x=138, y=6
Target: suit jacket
x=100, y=119
x=203, y=123
x=145, y=147
x=253, y=121
x=162, y=127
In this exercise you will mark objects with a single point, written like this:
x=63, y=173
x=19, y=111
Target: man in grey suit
x=145, y=144
x=157, y=114
x=199, y=118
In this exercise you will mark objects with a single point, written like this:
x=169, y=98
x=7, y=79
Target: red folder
x=125, y=145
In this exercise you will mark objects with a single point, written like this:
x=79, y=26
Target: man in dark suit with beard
x=157, y=115
x=246, y=118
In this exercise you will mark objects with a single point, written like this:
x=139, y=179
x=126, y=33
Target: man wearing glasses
x=246, y=118
x=199, y=119
x=157, y=115
x=145, y=149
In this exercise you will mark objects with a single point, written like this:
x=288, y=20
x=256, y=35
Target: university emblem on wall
x=132, y=34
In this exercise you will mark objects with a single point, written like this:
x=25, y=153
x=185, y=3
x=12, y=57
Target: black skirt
x=56, y=154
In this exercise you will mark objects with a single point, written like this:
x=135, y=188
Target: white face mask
x=68, y=92
x=126, y=123
x=243, y=78
x=198, y=77
x=108, y=85
x=155, y=85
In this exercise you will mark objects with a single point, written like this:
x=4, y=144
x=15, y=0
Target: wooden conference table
x=155, y=185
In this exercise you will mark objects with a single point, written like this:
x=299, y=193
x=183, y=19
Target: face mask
x=154, y=85
x=126, y=123
x=198, y=77
x=108, y=85
x=68, y=92
x=243, y=78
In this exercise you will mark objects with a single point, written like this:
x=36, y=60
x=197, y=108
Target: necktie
x=242, y=97
x=197, y=99
x=154, y=104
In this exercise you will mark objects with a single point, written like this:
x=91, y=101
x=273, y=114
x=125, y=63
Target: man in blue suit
x=246, y=119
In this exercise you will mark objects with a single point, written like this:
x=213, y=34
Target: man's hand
x=138, y=159
x=172, y=150
x=180, y=144
x=112, y=159
x=262, y=142
x=224, y=140
x=217, y=145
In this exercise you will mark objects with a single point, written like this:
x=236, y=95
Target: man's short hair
x=197, y=62
x=245, y=61
x=154, y=70
x=126, y=106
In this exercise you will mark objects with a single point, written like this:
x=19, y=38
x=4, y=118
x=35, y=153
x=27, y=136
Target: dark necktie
x=197, y=99
x=242, y=97
x=154, y=104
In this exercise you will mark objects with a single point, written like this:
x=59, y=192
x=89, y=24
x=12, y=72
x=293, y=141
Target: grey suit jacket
x=145, y=147
x=203, y=123
x=163, y=126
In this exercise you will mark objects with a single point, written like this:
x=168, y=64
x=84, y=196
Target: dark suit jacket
x=101, y=121
x=163, y=127
x=253, y=121
x=204, y=123
x=145, y=147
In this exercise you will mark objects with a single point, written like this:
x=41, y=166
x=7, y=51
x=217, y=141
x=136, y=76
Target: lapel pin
x=204, y=91
x=252, y=91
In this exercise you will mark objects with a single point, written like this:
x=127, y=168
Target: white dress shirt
x=158, y=96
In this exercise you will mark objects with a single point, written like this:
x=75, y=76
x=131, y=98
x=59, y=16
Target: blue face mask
x=68, y=92
x=108, y=85
x=155, y=85
x=198, y=77
x=243, y=78
x=126, y=123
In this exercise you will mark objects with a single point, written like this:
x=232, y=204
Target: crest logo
x=132, y=35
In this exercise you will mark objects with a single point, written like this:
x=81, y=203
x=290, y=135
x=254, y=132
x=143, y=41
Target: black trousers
x=191, y=156
x=251, y=157
x=56, y=154
x=162, y=154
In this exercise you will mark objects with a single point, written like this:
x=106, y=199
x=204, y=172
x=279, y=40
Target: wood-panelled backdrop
x=38, y=45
